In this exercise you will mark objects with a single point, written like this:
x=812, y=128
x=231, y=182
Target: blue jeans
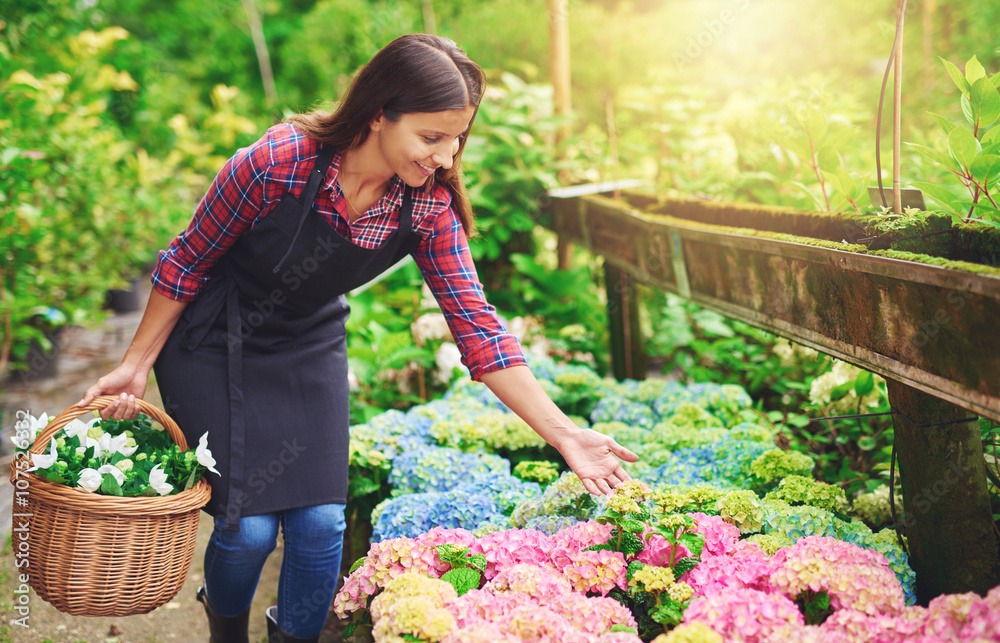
x=310, y=567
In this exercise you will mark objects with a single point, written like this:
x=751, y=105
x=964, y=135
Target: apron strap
x=237, y=430
x=323, y=161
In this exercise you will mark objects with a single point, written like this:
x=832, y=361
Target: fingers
x=124, y=408
x=589, y=485
x=623, y=453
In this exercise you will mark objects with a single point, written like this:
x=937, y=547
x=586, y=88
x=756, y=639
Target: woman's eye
x=430, y=139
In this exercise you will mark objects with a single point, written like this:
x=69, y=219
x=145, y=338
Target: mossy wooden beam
x=927, y=324
x=932, y=327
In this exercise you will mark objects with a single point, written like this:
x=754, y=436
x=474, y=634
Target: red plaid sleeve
x=446, y=265
x=232, y=204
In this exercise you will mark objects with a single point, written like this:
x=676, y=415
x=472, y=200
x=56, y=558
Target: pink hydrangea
x=582, y=535
x=717, y=573
x=746, y=548
x=386, y=560
x=512, y=547
x=442, y=536
x=480, y=632
x=658, y=549
x=720, y=536
x=744, y=614
x=537, y=582
x=853, y=577
x=597, y=572
x=984, y=618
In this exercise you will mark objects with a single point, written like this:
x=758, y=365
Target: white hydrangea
x=448, y=357
x=430, y=326
x=792, y=353
x=841, y=373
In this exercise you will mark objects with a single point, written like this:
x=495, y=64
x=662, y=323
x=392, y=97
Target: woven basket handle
x=73, y=412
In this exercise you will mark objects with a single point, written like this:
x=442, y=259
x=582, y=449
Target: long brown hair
x=413, y=73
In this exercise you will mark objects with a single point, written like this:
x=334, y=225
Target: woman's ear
x=378, y=122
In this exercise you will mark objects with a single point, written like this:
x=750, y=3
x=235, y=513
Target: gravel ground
x=85, y=355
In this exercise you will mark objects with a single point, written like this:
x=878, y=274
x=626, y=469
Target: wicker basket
x=96, y=555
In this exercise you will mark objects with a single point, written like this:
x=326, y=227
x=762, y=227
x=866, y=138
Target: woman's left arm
x=593, y=457
x=495, y=358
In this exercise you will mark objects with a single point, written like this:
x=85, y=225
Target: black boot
x=275, y=635
x=225, y=629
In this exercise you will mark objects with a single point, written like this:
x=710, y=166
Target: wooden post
x=430, y=23
x=930, y=64
x=897, y=110
x=561, y=96
x=260, y=46
x=628, y=351
x=947, y=520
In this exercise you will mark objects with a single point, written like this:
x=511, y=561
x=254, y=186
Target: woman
x=245, y=325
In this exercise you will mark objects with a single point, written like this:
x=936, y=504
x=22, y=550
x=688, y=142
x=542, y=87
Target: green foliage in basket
x=117, y=457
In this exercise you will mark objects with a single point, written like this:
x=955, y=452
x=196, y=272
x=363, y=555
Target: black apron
x=259, y=359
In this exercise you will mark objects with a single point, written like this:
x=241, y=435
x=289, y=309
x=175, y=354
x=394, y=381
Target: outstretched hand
x=596, y=459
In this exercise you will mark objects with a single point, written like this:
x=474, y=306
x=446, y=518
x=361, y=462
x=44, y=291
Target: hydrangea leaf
x=463, y=579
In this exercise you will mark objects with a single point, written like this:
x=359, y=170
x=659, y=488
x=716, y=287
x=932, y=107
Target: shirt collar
x=391, y=201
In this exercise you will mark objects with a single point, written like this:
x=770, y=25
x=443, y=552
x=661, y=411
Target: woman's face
x=419, y=143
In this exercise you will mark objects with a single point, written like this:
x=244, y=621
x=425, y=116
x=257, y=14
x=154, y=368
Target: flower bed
x=721, y=536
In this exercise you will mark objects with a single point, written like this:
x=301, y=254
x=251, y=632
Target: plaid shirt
x=252, y=183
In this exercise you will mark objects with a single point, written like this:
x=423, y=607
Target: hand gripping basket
x=97, y=555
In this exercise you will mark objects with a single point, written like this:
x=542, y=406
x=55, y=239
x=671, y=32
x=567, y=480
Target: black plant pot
x=40, y=364
x=123, y=301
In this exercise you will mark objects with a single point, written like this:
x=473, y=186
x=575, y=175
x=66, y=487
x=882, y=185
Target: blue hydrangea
x=408, y=516
x=550, y=524
x=732, y=458
x=683, y=466
x=798, y=522
x=618, y=409
x=566, y=492
x=466, y=389
x=441, y=469
x=887, y=543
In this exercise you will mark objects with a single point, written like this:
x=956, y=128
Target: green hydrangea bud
x=95, y=432
x=124, y=465
x=139, y=457
x=797, y=490
x=776, y=464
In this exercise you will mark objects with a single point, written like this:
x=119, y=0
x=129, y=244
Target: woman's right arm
x=128, y=381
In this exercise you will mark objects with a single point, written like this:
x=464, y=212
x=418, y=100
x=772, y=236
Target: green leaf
x=967, y=111
x=995, y=79
x=478, y=561
x=619, y=627
x=958, y=77
x=943, y=123
x=463, y=579
x=974, y=70
x=985, y=169
x=985, y=103
x=361, y=486
x=867, y=443
x=633, y=526
x=991, y=138
x=110, y=486
x=630, y=544
x=864, y=384
x=693, y=541
x=944, y=198
x=685, y=565
x=963, y=146
x=349, y=630
x=357, y=564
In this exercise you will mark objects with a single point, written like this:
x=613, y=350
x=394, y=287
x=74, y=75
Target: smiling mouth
x=428, y=170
